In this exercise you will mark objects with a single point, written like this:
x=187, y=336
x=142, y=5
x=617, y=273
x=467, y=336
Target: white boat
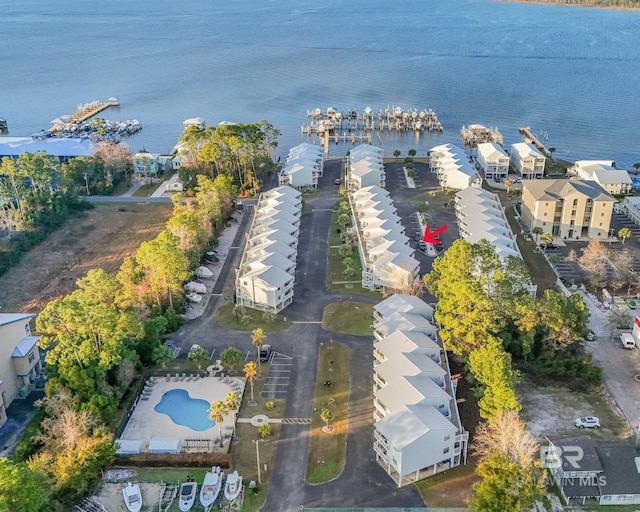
x=233, y=486
x=187, y=498
x=194, y=297
x=132, y=497
x=211, y=486
x=192, y=286
x=203, y=272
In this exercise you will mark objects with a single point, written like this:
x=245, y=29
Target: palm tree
x=537, y=231
x=326, y=416
x=547, y=237
x=412, y=153
x=217, y=412
x=257, y=338
x=624, y=233
x=396, y=153
x=251, y=372
x=238, y=311
x=232, y=403
x=508, y=184
x=636, y=166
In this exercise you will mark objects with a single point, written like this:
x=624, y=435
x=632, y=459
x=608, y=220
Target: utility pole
x=257, y=442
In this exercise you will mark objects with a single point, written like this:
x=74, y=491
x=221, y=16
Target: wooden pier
x=85, y=111
x=526, y=131
x=354, y=126
x=475, y=134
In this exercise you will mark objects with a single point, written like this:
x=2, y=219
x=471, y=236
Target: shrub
x=270, y=404
x=264, y=430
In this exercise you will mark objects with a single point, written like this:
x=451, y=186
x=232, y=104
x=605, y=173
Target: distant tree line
x=620, y=4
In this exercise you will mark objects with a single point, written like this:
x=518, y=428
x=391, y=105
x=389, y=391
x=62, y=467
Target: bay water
x=572, y=73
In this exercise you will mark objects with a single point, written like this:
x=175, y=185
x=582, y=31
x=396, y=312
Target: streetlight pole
x=257, y=442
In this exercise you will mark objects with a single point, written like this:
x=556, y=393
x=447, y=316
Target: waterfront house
x=146, y=165
x=365, y=167
x=451, y=165
x=303, y=167
x=615, y=181
x=493, y=161
x=19, y=359
x=527, y=161
x=569, y=209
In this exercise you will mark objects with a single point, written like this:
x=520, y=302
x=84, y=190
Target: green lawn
x=227, y=318
x=327, y=450
x=348, y=318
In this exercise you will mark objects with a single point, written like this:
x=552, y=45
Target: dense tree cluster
x=241, y=151
x=488, y=317
x=34, y=200
x=99, y=335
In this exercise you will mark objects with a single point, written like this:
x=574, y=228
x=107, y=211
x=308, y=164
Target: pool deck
x=146, y=424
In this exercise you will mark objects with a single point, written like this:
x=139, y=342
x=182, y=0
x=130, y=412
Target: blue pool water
x=184, y=410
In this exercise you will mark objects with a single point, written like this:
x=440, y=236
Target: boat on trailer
x=233, y=486
x=211, y=486
x=187, y=498
x=132, y=497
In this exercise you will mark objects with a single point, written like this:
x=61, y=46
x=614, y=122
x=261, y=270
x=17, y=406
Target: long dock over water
x=84, y=111
x=526, y=131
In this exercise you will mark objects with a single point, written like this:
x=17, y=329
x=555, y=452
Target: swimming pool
x=184, y=410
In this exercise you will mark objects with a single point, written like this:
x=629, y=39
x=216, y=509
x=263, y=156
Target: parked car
x=588, y=422
x=337, y=181
x=549, y=247
x=265, y=353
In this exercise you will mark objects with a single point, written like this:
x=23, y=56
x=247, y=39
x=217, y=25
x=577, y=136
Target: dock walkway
x=526, y=131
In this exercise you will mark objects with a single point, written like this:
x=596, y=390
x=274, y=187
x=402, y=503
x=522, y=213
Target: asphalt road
x=363, y=482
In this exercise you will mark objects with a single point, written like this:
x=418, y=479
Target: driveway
x=288, y=490
x=619, y=365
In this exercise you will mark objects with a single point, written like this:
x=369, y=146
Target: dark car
x=265, y=353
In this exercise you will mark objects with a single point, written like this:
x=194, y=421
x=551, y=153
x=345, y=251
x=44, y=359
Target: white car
x=588, y=422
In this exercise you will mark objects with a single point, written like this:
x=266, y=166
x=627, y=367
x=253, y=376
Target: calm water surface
x=571, y=72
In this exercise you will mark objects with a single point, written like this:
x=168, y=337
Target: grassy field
x=226, y=318
x=101, y=237
x=327, y=450
x=348, y=318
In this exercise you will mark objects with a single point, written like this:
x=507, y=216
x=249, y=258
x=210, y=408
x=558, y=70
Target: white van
x=627, y=340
